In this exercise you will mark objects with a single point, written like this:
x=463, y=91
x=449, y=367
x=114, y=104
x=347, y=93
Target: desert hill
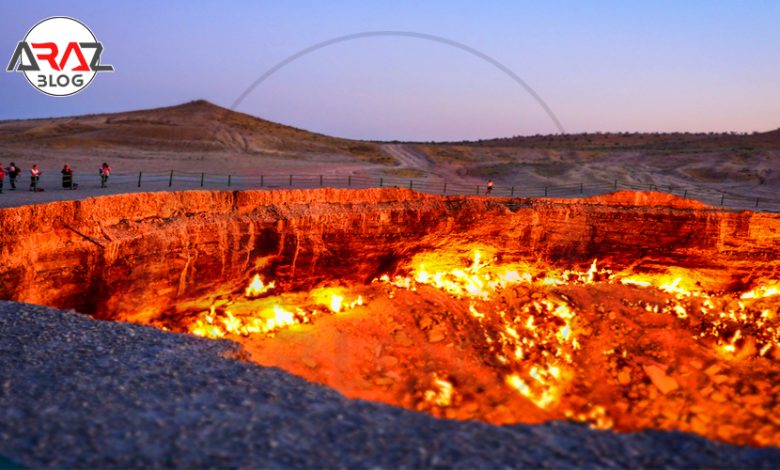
x=197, y=125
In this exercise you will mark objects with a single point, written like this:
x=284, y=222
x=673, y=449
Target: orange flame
x=534, y=342
x=257, y=287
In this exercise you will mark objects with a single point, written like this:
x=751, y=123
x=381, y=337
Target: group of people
x=13, y=172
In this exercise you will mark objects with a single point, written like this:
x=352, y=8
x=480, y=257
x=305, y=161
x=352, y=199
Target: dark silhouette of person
x=13, y=172
x=67, y=177
x=489, y=187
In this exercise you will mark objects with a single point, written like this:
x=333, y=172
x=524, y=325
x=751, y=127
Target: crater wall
x=132, y=256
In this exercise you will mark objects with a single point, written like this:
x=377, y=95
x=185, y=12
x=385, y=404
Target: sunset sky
x=600, y=66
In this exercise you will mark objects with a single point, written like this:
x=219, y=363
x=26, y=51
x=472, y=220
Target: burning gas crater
x=464, y=308
x=471, y=333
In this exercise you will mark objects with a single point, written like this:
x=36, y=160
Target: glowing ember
x=761, y=292
x=442, y=395
x=257, y=287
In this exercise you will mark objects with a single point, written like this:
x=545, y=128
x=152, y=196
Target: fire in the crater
x=254, y=314
x=257, y=287
x=550, y=336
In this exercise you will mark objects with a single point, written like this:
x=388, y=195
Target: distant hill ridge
x=194, y=126
x=203, y=126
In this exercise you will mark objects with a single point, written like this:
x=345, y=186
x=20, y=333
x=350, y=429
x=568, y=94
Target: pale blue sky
x=601, y=66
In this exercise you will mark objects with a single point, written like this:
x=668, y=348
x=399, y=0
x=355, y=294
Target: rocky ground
x=634, y=369
x=81, y=393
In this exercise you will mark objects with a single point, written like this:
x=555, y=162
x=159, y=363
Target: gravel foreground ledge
x=81, y=393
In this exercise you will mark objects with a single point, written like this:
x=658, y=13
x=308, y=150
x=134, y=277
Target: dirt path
x=410, y=157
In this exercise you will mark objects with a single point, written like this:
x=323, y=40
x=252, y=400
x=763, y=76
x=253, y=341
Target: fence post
x=202, y=175
x=349, y=180
x=756, y=203
x=170, y=180
x=290, y=180
x=320, y=181
x=261, y=181
x=410, y=184
x=477, y=190
x=512, y=192
x=581, y=188
x=381, y=182
x=685, y=194
x=139, y=178
x=445, y=187
x=615, y=184
x=722, y=196
x=545, y=191
x=229, y=177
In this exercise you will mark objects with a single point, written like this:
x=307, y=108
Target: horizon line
x=372, y=140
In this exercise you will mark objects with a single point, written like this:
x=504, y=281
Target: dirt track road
x=409, y=157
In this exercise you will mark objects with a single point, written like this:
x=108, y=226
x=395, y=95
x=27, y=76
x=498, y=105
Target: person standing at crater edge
x=105, y=170
x=35, y=175
x=13, y=172
x=489, y=187
x=67, y=177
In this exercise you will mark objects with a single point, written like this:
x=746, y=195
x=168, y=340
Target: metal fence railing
x=181, y=180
